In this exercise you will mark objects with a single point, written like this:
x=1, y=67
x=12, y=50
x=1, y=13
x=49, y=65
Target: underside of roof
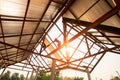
x=74, y=33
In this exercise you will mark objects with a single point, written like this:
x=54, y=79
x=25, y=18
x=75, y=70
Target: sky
x=107, y=67
x=105, y=70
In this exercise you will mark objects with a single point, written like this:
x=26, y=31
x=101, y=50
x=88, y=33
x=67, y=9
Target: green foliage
x=57, y=76
x=43, y=76
x=22, y=77
x=67, y=78
x=6, y=76
x=15, y=76
x=77, y=78
x=115, y=78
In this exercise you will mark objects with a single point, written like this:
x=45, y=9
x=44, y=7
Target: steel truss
x=86, y=47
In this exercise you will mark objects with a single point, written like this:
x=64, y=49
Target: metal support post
x=36, y=75
x=53, y=70
x=31, y=74
x=27, y=75
x=88, y=74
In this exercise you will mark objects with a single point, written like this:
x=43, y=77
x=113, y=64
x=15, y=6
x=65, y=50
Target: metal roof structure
x=31, y=35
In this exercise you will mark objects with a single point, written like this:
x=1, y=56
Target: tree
x=43, y=76
x=68, y=78
x=15, y=76
x=22, y=77
x=6, y=76
x=115, y=78
x=57, y=73
x=77, y=78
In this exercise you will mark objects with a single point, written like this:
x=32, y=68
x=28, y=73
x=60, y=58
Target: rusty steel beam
x=51, y=48
x=13, y=62
x=65, y=41
x=42, y=16
x=116, y=52
x=94, y=57
x=15, y=45
x=79, y=43
x=107, y=36
x=85, y=55
x=94, y=24
x=42, y=59
x=97, y=62
x=101, y=52
x=17, y=69
x=105, y=28
x=104, y=35
x=15, y=65
x=67, y=67
x=30, y=52
x=38, y=62
x=117, y=2
x=2, y=32
x=31, y=65
x=13, y=56
x=89, y=8
x=23, y=24
x=111, y=6
x=7, y=36
x=38, y=24
x=86, y=35
x=60, y=12
x=58, y=2
x=27, y=20
x=73, y=68
x=17, y=17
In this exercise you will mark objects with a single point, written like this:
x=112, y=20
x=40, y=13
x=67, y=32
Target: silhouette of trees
x=6, y=76
x=14, y=76
x=22, y=77
x=115, y=78
x=43, y=76
x=78, y=78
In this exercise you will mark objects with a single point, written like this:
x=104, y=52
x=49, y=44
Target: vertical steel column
x=36, y=75
x=53, y=70
x=2, y=73
x=88, y=74
x=31, y=74
x=65, y=34
x=27, y=76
